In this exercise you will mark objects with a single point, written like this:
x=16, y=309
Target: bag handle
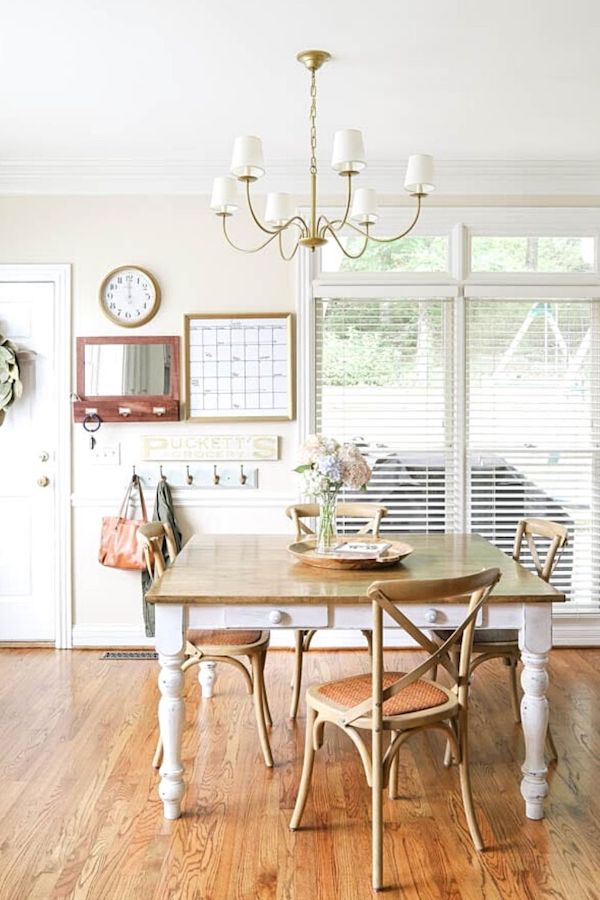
x=134, y=484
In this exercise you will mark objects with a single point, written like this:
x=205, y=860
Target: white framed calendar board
x=239, y=367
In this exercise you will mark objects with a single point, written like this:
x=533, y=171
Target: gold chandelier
x=348, y=160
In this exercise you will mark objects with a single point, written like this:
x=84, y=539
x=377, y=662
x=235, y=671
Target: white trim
x=209, y=498
x=330, y=287
x=165, y=176
x=572, y=629
x=112, y=635
x=579, y=631
x=116, y=635
x=59, y=275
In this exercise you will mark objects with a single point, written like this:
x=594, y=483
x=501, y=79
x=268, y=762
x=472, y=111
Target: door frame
x=59, y=276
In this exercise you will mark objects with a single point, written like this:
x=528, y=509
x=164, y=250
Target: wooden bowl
x=305, y=552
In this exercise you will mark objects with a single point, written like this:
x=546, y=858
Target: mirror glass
x=121, y=370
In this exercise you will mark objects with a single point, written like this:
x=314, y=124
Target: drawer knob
x=275, y=617
x=431, y=615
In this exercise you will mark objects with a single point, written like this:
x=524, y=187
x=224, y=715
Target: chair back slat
x=386, y=594
x=373, y=512
x=527, y=532
x=152, y=538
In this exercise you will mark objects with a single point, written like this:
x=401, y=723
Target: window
x=382, y=370
x=411, y=254
x=476, y=405
x=532, y=404
x=532, y=254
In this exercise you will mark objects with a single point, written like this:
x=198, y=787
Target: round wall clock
x=129, y=296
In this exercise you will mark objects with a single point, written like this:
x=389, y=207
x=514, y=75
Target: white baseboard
x=574, y=630
x=109, y=636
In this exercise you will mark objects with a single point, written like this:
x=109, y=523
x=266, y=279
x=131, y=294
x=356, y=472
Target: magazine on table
x=363, y=549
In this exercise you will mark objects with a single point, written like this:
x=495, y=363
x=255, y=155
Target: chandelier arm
x=338, y=224
x=244, y=249
x=297, y=220
x=282, y=252
x=333, y=234
x=254, y=216
x=396, y=237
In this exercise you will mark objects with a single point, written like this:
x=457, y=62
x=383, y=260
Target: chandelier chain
x=313, y=123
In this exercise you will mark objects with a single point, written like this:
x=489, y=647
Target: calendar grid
x=239, y=367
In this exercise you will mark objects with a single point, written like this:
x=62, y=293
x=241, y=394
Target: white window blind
x=533, y=414
x=384, y=379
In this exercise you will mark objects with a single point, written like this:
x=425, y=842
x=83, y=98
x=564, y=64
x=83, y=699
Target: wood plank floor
x=80, y=817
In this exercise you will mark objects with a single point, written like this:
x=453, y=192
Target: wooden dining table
x=252, y=580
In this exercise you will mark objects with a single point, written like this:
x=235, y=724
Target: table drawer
x=276, y=616
x=425, y=616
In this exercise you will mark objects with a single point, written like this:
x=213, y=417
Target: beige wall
x=179, y=241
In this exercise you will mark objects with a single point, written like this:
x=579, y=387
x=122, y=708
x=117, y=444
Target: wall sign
x=239, y=368
x=212, y=447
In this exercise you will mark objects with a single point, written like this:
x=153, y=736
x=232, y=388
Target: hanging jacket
x=164, y=511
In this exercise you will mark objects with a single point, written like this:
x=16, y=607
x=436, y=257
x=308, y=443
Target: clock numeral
x=138, y=313
x=119, y=312
x=112, y=305
x=127, y=315
x=119, y=280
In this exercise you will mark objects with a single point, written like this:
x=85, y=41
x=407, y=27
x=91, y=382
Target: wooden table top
x=257, y=568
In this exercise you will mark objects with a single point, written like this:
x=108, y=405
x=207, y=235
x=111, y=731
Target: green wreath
x=11, y=386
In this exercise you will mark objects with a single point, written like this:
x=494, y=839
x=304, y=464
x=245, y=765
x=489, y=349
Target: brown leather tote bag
x=118, y=539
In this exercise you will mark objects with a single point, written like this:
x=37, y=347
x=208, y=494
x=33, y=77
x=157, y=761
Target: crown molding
x=580, y=178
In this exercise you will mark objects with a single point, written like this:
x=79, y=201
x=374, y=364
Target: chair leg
x=268, y=718
x=297, y=677
x=465, y=783
x=158, y=754
x=551, y=746
x=514, y=692
x=368, y=636
x=377, y=810
x=393, y=782
x=258, y=694
x=307, y=769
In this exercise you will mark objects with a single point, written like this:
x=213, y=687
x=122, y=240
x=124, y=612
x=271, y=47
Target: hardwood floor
x=80, y=817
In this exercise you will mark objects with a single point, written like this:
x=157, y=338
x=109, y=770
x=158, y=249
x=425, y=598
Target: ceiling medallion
x=348, y=160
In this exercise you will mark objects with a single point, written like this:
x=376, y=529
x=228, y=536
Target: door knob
x=44, y=456
x=43, y=481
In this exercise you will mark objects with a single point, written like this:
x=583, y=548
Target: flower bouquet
x=328, y=466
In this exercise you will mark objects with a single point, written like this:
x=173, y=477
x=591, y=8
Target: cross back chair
x=504, y=643
x=401, y=703
x=219, y=645
x=373, y=513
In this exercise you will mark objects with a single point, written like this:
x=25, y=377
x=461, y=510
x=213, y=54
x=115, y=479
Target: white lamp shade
x=224, y=195
x=278, y=209
x=348, y=151
x=364, y=206
x=247, y=160
x=419, y=174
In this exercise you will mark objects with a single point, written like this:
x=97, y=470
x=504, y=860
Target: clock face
x=129, y=296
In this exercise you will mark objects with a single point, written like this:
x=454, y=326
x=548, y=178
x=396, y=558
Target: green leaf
x=303, y=468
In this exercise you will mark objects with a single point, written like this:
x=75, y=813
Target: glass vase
x=326, y=536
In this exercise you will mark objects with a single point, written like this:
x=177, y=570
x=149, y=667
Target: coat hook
x=162, y=477
x=216, y=478
x=188, y=477
x=243, y=477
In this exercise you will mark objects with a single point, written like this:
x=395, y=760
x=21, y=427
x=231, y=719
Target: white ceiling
x=152, y=80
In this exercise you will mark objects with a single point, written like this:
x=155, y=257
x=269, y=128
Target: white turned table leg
x=170, y=644
x=535, y=641
x=207, y=675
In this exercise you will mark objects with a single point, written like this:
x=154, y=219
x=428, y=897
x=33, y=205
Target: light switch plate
x=106, y=454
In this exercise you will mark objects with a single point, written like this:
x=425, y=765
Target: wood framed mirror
x=127, y=379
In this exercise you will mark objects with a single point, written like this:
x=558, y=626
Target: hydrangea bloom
x=328, y=466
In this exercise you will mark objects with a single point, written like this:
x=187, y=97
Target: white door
x=28, y=466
